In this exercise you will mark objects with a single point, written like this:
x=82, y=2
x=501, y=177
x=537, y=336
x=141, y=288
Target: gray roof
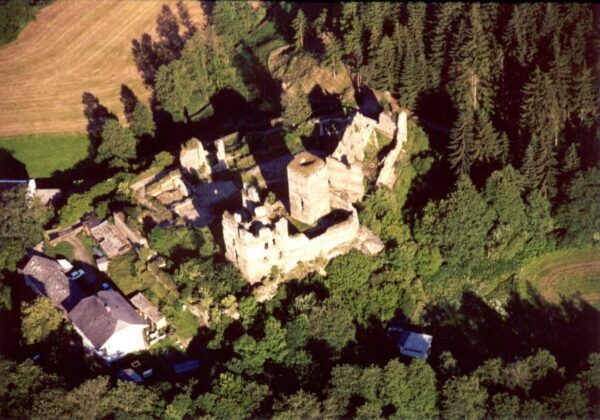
x=46, y=276
x=147, y=308
x=99, y=316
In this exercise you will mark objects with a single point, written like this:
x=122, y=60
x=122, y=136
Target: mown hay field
x=563, y=274
x=72, y=47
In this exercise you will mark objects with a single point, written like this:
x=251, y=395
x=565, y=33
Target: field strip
x=72, y=47
x=547, y=283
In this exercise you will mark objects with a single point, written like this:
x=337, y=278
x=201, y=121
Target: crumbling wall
x=134, y=237
x=387, y=175
x=255, y=254
x=359, y=133
x=345, y=182
x=386, y=125
x=194, y=159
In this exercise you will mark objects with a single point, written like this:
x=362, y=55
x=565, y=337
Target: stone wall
x=134, y=237
x=387, y=175
x=194, y=159
x=345, y=182
x=358, y=134
x=256, y=247
x=308, y=188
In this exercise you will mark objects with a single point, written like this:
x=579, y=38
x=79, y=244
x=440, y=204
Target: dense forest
x=501, y=167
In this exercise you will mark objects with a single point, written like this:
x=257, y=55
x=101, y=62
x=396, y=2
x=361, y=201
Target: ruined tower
x=308, y=188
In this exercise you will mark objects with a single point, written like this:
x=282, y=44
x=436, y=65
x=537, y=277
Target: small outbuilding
x=149, y=310
x=411, y=344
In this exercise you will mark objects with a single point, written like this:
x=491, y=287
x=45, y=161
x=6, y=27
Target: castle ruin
x=262, y=238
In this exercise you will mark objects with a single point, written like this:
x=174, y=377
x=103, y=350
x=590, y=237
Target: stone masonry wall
x=272, y=246
x=308, y=188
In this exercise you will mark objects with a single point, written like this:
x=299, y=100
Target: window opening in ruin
x=266, y=245
x=306, y=162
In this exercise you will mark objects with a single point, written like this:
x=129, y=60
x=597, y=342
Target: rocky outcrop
x=368, y=243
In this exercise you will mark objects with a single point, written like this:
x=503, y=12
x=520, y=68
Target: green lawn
x=62, y=249
x=42, y=154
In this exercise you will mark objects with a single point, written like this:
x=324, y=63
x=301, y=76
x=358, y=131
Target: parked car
x=76, y=274
x=106, y=286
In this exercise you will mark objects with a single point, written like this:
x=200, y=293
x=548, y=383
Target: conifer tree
x=381, y=65
x=446, y=16
x=572, y=162
x=300, y=25
x=462, y=139
x=523, y=32
x=320, y=23
x=584, y=100
x=333, y=54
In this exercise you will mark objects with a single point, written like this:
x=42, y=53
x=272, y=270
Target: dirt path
x=547, y=283
x=80, y=251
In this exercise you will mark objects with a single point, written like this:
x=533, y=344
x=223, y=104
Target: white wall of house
x=127, y=339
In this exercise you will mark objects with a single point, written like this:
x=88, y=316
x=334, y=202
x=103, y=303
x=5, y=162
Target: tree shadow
x=264, y=90
x=10, y=167
x=149, y=55
x=474, y=332
x=186, y=19
x=146, y=58
x=96, y=115
x=435, y=113
x=129, y=100
x=323, y=103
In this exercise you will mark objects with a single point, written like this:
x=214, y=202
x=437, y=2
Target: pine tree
x=381, y=75
x=529, y=168
x=540, y=166
x=572, y=162
x=353, y=43
x=585, y=100
x=299, y=25
x=490, y=145
x=413, y=79
x=542, y=113
x=333, y=54
x=462, y=139
x=374, y=21
x=446, y=17
x=320, y=23
x=523, y=32
x=476, y=63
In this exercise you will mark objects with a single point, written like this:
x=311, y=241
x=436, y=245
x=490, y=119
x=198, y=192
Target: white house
x=109, y=325
x=106, y=321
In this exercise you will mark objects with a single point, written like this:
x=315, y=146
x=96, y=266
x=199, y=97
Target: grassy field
x=564, y=273
x=42, y=154
x=70, y=48
x=62, y=249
